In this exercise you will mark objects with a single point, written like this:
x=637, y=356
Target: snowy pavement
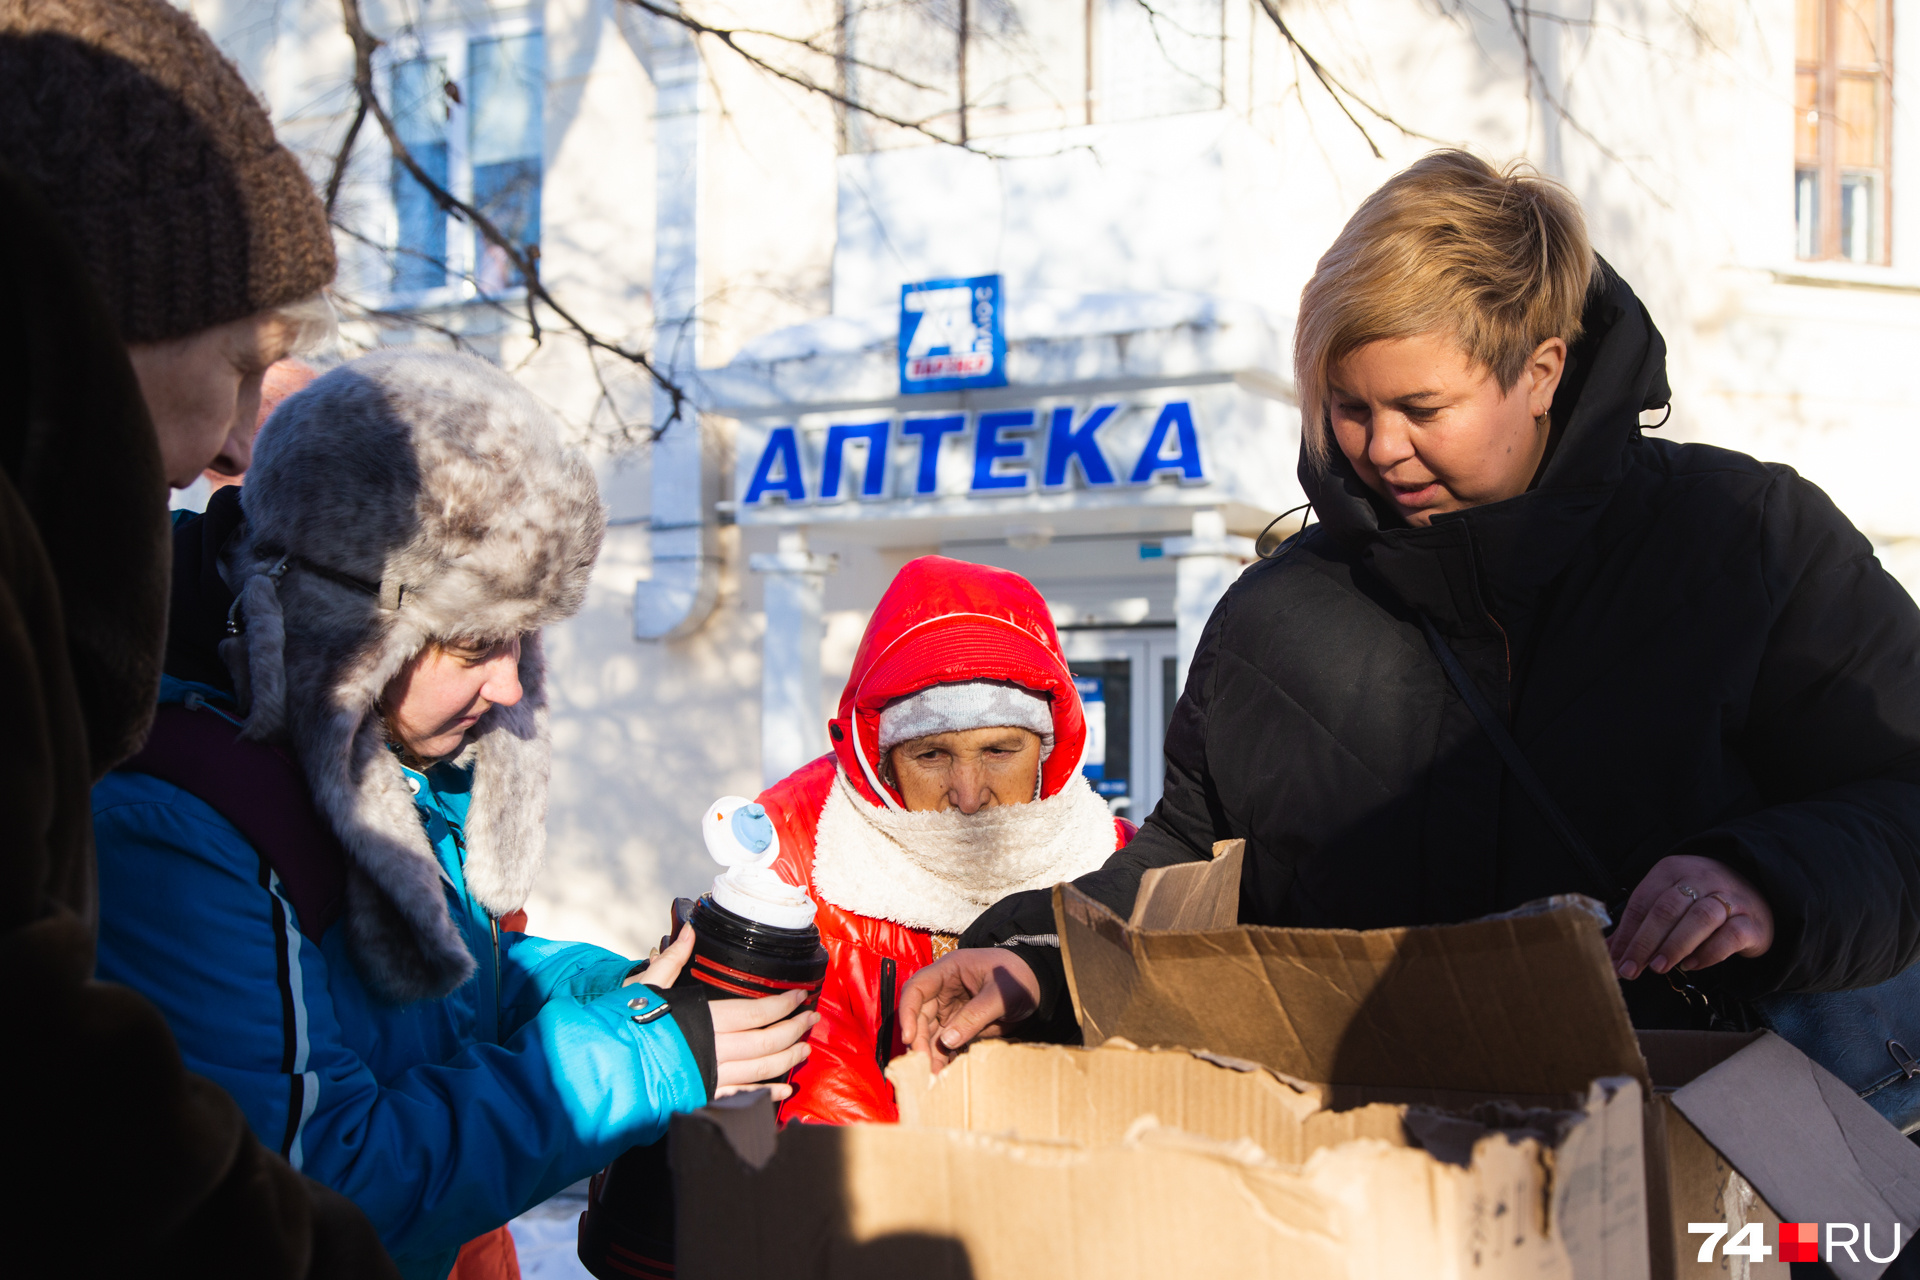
x=546, y=1237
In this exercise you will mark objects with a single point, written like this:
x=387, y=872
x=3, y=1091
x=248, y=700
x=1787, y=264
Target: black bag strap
x=1516, y=762
x=263, y=793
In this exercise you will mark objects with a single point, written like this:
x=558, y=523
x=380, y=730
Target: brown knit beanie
x=159, y=162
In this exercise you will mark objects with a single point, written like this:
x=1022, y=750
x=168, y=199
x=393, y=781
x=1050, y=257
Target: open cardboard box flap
x=1519, y=1005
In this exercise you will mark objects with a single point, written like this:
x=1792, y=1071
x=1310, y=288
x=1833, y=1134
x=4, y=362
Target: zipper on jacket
x=883, y=1048
x=493, y=925
x=1506, y=647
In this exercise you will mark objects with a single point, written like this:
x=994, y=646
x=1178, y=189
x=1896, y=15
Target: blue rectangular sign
x=952, y=335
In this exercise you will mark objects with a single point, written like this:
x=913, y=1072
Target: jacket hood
x=405, y=498
x=943, y=621
x=1498, y=557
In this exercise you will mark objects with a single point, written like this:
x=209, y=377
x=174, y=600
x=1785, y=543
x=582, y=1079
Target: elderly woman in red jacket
x=954, y=780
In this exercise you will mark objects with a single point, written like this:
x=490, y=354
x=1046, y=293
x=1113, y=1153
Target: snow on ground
x=546, y=1237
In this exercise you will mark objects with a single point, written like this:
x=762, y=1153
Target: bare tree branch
x=344, y=155
x=812, y=45
x=525, y=258
x=404, y=315
x=1338, y=91
x=729, y=36
x=388, y=319
x=1535, y=76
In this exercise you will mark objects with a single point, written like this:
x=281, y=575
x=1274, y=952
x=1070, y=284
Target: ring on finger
x=1688, y=890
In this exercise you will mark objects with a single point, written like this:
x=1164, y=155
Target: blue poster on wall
x=952, y=335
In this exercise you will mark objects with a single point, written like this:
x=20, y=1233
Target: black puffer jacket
x=1697, y=652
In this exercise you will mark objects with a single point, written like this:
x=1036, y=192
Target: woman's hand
x=1687, y=914
x=665, y=962
x=966, y=995
x=755, y=1042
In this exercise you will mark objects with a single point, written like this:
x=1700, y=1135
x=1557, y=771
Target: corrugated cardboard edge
x=1193, y=895
x=1605, y=1162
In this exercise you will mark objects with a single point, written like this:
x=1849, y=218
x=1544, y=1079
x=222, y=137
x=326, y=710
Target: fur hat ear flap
x=507, y=817
x=260, y=670
x=399, y=932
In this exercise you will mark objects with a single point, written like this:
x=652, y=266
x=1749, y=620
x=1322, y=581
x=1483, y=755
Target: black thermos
x=627, y=1229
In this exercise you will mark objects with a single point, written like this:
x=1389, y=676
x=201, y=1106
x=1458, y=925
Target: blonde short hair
x=1498, y=259
x=313, y=321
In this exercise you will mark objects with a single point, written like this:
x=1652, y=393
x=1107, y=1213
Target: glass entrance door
x=1127, y=681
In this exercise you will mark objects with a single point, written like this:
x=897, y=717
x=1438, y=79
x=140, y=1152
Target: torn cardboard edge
x=1120, y=1162
x=747, y=1121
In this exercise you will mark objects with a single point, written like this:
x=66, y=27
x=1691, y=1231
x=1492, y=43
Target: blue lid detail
x=752, y=828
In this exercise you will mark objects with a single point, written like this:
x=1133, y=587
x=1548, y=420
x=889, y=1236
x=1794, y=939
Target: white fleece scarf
x=939, y=871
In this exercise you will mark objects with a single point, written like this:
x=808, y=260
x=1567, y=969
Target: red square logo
x=1799, y=1242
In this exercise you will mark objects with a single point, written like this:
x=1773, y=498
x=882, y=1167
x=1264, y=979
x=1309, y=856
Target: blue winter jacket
x=441, y=1119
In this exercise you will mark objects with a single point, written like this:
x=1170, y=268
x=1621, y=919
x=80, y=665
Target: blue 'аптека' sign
x=952, y=335
x=1011, y=452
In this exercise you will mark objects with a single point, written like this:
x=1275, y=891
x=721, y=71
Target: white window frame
x=447, y=42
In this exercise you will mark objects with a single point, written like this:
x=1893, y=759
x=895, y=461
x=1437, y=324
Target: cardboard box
x=1522, y=1006
x=1118, y=1162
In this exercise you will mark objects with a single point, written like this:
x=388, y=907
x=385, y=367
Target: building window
x=1843, y=98
x=509, y=82
x=470, y=110
x=420, y=110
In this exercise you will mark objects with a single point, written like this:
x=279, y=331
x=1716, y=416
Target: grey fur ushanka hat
x=404, y=498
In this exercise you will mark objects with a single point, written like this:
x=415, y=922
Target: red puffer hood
x=944, y=621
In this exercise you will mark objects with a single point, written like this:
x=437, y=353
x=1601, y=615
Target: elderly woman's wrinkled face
x=203, y=393
x=967, y=769
x=443, y=692
x=1430, y=430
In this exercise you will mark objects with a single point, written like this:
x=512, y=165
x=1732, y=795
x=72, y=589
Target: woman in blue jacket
x=345, y=793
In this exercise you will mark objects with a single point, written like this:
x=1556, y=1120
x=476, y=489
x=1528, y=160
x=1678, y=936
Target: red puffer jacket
x=940, y=621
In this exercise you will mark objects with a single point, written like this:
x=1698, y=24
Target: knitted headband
x=974, y=704
x=160, y=164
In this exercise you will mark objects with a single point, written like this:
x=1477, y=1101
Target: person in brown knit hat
x=144, y=202
x=199, y=228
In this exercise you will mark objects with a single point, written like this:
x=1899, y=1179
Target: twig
x=344, y=155
x=1335, y=89
x=728, y=36
x=811, y=45
x=394, y=319
x=396, y=251
x=1536, y=76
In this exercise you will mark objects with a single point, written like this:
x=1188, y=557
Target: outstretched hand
x=755, y=1042
x=1689, y=912
x=966, y=995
